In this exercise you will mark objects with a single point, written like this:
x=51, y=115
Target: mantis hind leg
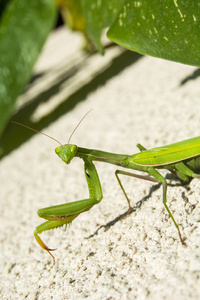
x=184, y=171
x=65, y=213
x=141, y=148
x=162, y=180
x=155, y=176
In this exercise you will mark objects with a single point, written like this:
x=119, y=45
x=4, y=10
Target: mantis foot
x=42, y=244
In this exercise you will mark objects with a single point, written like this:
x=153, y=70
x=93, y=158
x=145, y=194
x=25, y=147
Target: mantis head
x=66, y=152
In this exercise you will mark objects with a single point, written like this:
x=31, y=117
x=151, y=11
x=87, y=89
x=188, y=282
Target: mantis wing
x=168, y=154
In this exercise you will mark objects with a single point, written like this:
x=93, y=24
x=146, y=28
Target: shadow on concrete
x=15, y=135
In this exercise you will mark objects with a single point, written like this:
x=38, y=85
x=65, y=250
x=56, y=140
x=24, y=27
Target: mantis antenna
x=51, y=136
x=78, y=125
x=36, y=131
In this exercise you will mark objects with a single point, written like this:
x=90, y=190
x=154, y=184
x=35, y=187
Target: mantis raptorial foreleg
x=65, y=213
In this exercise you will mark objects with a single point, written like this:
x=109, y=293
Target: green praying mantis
x=182, y=159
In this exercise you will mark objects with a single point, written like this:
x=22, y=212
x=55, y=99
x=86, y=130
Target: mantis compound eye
x=57, y=150
x=73, y=149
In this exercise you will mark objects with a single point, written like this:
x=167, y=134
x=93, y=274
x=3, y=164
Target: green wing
x=168, y=154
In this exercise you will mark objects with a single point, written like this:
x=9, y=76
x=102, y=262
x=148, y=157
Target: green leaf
x=100, y=14
x=24, y=26
x=3, y=4
x=72, y=14
x=167, y=29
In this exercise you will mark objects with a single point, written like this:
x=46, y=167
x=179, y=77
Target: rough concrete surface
x=135, y=99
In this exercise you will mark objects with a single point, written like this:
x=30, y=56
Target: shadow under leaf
x=14, y=135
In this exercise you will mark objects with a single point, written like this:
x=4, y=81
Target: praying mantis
x=182, y=159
